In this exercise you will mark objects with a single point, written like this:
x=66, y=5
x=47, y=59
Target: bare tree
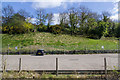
x=7, y=11
x=63, y=18
x=41, y=16
x=49, y=18
x=95, y=15
x=23, y=13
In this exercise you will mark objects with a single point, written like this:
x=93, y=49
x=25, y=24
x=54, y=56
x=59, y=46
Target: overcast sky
x=57, y=6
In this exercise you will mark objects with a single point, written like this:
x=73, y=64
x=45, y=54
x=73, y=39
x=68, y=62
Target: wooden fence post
x=105, y=67
x=56, y=66
x=4, y=63
x=20, y=64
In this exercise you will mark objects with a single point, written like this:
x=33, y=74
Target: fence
x=91, y=74
x=64, y=52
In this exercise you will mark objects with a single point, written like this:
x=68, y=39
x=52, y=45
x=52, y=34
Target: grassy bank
x=31, y=75
x=48, y=41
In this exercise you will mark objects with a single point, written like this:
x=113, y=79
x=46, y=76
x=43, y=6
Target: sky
x=56, y=7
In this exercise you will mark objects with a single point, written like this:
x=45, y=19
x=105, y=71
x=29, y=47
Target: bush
x=17, y=25
x=26, y=27
x=41, y=28
x=117, y=30
x=56, y=29
x=12, y=30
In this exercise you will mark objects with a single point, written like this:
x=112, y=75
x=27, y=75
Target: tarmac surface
x=66, y=62
x=0, y=66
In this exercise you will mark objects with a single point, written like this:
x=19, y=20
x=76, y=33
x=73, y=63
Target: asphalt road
x=66, y=62
x=0, y=66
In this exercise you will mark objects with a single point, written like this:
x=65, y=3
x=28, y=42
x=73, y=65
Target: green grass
x=48, y=76
x=32, y=74
x=48, y=41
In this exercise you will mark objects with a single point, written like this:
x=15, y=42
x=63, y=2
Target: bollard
x=20, y=62
x=105, y=67
x=56, y=66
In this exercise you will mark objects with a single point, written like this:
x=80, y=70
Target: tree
x=91, y=30
x=117, y=30
x=106, y=16
x=14, y=25
x=63, y=18
x=41, y=16
x=73, y=20
x=107, y=23
x=64, y=21
x=23, y=13
x=17, y=25
x=95, y=15
x=7, y=11
x=83, y=14
x=100, y=28
x=49, y=19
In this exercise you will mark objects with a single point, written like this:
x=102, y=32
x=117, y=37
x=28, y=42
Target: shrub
x=117, y=30
x=41, y=28
x=17, y=25
x=56, y=29
x=28, y=27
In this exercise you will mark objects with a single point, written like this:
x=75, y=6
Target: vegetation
x=31, y=75
x=34, y=75
x=75, y=21
x=79, y=29
x=49, y=41
x=56, y=29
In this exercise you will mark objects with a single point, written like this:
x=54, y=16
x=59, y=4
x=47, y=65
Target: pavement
x=0, y=66
x=65, y=62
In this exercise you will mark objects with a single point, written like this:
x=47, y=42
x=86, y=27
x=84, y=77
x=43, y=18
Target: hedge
x=67, y=52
